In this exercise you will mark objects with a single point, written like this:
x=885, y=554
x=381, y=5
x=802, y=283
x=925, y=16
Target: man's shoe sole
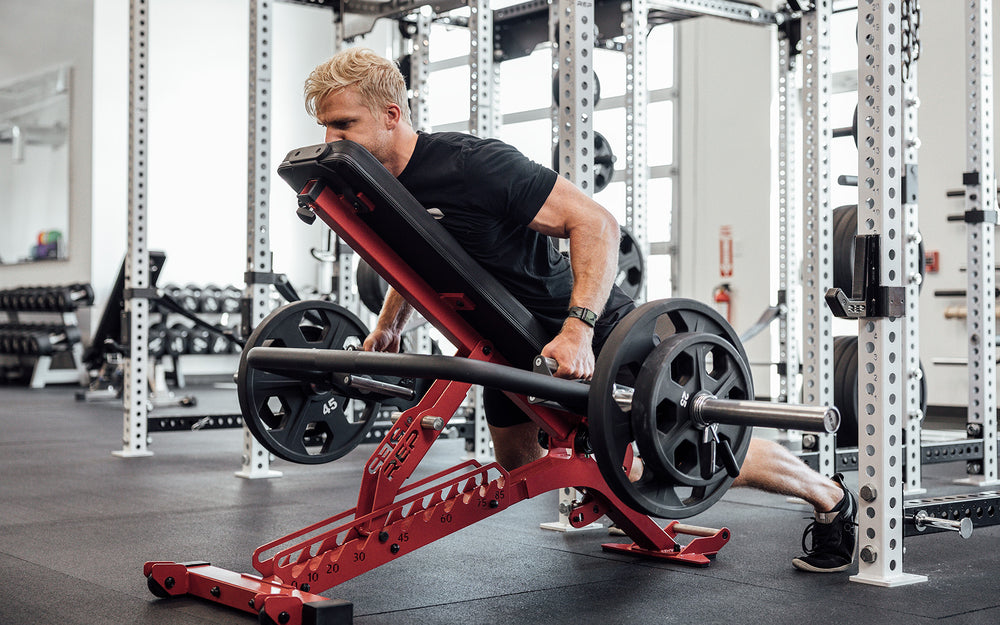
x=805, y=566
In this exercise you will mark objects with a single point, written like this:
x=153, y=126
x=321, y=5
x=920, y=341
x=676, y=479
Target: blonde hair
x=378, y=79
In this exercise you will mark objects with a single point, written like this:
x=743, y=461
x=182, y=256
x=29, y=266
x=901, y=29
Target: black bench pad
x=425, y=245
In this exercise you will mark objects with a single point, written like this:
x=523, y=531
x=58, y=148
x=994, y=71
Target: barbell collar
x=623, y=396
x=706, y=409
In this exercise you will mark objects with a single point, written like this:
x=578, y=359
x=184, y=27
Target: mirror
x=34, y=167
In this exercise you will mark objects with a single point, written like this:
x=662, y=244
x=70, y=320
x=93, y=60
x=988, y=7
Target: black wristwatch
x=585, y=315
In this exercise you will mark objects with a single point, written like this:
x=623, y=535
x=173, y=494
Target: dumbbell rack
x=42, y=325
x=174, y=342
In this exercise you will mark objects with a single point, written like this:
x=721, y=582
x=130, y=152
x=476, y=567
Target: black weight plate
x=299, y=420
x=922, y=388
x=922, y=266
x=670, y=443
x=611, y=432
x=371, y=287
x=555, y=89
x=850, y=384
x=604, y=162
x=845, y=227
x=631, y=266
x=845, y=389
x=839, y=362
x=854, y=126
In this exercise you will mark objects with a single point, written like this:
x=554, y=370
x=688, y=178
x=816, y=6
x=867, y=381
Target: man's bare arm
x=593, y=235
x=388, y=331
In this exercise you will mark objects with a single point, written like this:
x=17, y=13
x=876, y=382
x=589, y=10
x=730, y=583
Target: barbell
x=672, y=380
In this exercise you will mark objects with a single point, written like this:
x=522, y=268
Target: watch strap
x=585, y=315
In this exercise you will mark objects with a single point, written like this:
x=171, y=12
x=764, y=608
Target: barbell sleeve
x=706, y=409
x=365, y=383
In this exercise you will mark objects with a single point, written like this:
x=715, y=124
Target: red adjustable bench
x=302, y=379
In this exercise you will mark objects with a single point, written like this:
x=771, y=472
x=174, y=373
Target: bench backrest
x=421, y=242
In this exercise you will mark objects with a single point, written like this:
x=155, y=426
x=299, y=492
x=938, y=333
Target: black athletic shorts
x=501, y=412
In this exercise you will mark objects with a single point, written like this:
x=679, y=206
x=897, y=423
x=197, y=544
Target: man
x=503, y=208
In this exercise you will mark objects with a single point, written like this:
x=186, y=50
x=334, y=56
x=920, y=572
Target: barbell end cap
x=831, y=420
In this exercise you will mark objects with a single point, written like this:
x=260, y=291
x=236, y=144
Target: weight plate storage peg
x=305, y=416
x=676, y=489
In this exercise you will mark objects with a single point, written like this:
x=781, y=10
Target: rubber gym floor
x=77, y=524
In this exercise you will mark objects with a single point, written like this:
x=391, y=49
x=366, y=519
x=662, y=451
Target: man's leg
x=516, y=445
x=770, y=467
x=515, y=436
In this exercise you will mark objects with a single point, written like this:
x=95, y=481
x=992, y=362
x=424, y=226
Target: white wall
x=942, y=161
x=34, y=37
x=198, y=85
x=109, y=153
x=726, y=88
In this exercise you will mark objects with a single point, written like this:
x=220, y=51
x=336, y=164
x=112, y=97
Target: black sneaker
x=833, y=536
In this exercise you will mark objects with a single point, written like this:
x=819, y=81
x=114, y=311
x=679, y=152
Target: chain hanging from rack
x=910, y=34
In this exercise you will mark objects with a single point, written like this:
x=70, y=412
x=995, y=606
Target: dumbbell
x=46, y=341
x=27, y=298
x=83, y=294
x=210, y=300
x=71, y=297
x=6, y=347
x=158, y=340
x=234, y=331
x=231, y=299
x=177, y=339
x=189, y=297
x=199, y=340
x=171, y=290
x=218, y=343
x=20, y=342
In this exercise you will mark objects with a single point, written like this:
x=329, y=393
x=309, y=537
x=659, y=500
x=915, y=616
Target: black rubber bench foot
x=332, y=612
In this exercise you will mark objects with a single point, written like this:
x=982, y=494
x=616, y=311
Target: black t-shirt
x=485, y=193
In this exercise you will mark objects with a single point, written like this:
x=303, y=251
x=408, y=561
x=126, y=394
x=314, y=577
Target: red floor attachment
x=699, y=552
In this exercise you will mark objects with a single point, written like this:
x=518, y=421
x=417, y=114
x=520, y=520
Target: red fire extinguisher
x=722, y=295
